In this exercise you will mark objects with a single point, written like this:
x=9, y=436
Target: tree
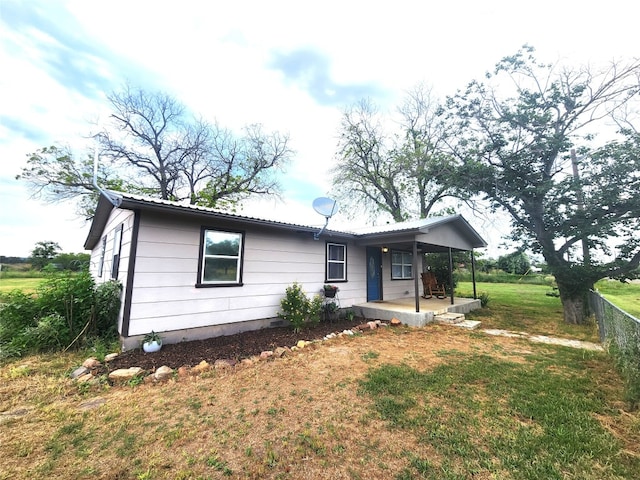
x=153, y=147
x=55, y=175
x=178, y=157
x=390, y=173
x=516, y=262
x=517, y=148
x=43, y=253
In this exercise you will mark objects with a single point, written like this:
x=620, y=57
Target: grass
x=625, y=296
x=501, y=419
x=524, y=308
x=438, y=402
x=27, y=285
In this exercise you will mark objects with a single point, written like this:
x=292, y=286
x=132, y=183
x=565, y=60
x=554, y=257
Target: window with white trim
x=401, y=265
x=117, y=247
x=103, y=251
x=221, y=258
x=336, y=269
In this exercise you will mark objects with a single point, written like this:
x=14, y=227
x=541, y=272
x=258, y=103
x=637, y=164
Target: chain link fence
x=620, y=332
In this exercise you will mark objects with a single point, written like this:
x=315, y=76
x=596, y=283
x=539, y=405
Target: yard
x=438, y=402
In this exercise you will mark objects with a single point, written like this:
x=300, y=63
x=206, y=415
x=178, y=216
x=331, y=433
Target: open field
x=25, y=284
x=438, y=402
x=624, y=295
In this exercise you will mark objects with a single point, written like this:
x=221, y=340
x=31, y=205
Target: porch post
x=473, y=273
x=451, y=274
x=415, y=276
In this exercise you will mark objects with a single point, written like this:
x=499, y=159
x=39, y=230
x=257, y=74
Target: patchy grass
x=525, y=308
x=495, y=418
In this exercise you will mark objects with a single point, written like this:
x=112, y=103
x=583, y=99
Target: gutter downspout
x=115, y=201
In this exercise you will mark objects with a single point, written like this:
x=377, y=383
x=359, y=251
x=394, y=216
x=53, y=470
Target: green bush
x=66, y=310
x=297, y=309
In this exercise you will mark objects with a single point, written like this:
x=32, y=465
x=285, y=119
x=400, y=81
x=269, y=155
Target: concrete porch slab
x=404, y=309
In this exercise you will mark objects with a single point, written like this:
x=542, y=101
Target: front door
x=374, y=274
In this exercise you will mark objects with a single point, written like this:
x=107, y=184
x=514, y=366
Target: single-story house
x=190, y=272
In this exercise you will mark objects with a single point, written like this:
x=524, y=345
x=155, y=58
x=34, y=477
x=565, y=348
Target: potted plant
x=330, y=291
x=152, y=342
x=331, y=311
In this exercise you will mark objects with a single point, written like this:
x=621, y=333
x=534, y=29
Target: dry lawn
x=296, y=417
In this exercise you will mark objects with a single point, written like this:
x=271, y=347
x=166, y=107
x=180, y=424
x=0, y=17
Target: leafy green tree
x=517, y=153
x=515, y=262
x=74, y=262
x=43, y=253
x=55, y=175
x=403, y=174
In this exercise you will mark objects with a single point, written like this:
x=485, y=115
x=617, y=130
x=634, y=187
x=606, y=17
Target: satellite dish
x=325, y=206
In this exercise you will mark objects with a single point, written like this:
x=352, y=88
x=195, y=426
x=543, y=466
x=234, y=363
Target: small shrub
x=484, y=299
x=297, y=309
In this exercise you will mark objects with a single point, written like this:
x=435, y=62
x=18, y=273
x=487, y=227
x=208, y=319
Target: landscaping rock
x=183, y=371
x=123, y=375
x=111, y=356
x=280, y=352
x=202, y=367
x=395, y=322
x=266, y=354
x=246, y=362
x=91, y=363
x=86, y=378
x=372, y=325
x=79, y=372
x=224, y=363
x=163, y=373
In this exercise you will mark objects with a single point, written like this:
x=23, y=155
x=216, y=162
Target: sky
x=291, y=66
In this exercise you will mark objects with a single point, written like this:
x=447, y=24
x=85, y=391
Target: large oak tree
x=537, y=141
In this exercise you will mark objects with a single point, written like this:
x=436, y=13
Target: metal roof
x=130, y=201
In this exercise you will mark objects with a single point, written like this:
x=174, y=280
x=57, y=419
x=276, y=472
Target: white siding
x=117, y=219
x=165, y=297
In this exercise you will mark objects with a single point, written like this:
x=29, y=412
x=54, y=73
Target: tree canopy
x=151, y=145
x=541, y=153
x=402, y=172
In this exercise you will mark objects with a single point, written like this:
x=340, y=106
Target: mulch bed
x=236, y=347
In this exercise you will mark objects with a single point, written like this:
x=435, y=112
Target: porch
x=404, y=309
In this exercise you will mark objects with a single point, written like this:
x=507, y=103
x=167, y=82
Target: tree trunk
x=575, y=304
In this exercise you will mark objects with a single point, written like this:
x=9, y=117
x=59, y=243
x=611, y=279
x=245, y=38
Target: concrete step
x=449, y=318
x=468, y=324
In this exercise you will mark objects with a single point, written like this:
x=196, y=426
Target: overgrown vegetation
x=65, y=311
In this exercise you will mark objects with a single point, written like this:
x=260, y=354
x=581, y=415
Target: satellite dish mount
x=326, y=207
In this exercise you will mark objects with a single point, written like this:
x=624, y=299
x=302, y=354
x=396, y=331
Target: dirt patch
x=236, y=347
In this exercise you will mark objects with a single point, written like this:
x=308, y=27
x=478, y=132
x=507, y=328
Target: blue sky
x=289, y=65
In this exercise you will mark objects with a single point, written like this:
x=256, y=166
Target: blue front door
x=374, y=274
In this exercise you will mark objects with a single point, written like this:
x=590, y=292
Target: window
x=401, y=265
x=221, y=258
x=336, y=262
x=103, y=251
x=117, y=245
